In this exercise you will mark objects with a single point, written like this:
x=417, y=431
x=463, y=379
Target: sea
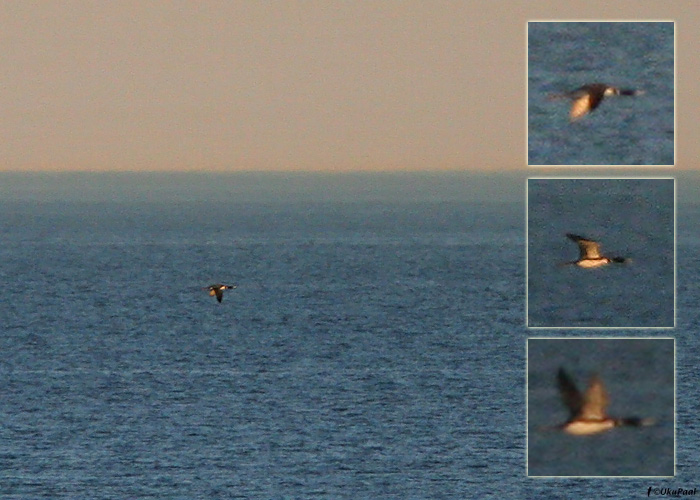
x=375, y=345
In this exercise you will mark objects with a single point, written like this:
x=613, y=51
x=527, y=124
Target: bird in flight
x=590, y=255
x=588, y=97
x=587, y=413
x=218, y=290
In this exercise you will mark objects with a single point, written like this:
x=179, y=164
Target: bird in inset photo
x=588, y=97
x=587, y=411
x=590, y=255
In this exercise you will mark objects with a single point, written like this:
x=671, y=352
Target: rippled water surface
x=373, y=348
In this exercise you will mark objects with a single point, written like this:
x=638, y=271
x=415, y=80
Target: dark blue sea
x=375, y=346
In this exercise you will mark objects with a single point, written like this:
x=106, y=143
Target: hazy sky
x=289, y=85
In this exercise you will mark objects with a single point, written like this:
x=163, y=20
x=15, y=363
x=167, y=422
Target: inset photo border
x=601, y=93
x=601, y=407
x=600, y=252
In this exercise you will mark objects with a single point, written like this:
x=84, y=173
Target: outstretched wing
x=586, y=99
x=589, y=249
x=595, y=401
x=581, y=106
x=570, y=395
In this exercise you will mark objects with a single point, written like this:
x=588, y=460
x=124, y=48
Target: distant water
x=623, y=130
x=372, y=349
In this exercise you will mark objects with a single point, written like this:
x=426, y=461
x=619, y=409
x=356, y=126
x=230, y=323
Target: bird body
x=218, y=290
x=585, y=428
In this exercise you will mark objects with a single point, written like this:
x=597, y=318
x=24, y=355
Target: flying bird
x=587, y=411
x=588, y=97
x=590, y=255
x=218, y=290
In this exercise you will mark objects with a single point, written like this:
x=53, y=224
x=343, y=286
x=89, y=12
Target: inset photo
x=601, y=93
x=601, y=407
x=600, y=253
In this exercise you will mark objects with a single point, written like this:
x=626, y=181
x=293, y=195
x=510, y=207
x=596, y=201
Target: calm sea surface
x=375, y=346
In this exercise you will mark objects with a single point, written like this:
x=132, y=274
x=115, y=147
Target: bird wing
x=595, y=400
x=589, y=249
x=595, y=99
x=581, y=106
x=570, y=395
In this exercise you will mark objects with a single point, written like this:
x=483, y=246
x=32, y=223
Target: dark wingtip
x=574, y=237
x=619, y=260
x=569, y=393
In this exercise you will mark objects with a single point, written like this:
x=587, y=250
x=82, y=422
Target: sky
x=294, y=85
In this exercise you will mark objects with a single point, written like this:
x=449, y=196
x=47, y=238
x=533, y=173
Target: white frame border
x=527, y=85
x=675, y=257
x=675, y=408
